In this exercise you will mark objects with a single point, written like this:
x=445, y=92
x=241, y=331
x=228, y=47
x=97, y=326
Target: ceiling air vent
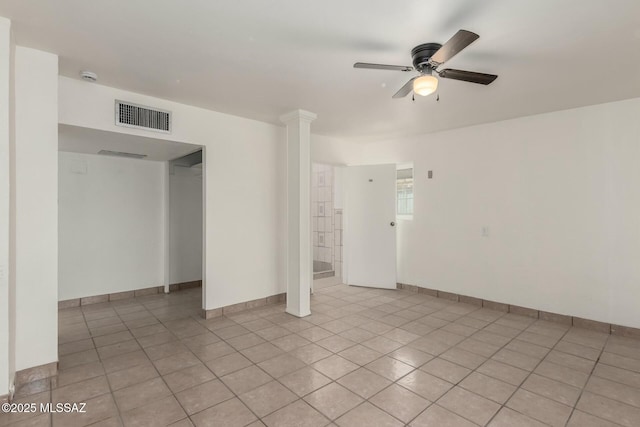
x=141, y=117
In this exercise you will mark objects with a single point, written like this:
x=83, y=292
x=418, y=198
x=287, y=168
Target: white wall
x=110, y=224
x=558, y=191
x=244, y=186
x=6, y=63
x=185, y=224
x=36, y=220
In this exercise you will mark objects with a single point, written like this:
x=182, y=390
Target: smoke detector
x=89, y=76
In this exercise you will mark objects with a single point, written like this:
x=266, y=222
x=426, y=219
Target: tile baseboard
x=236, y=308
x=36, y=373
x=185, y=285
x=96, y=299
x=578, y=322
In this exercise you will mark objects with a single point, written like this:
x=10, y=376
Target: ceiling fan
x=427, y=58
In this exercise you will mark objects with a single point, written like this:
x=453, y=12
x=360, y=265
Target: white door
x=370, y=215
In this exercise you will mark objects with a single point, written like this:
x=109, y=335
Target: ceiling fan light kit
x=427, y=59
x=425, y=85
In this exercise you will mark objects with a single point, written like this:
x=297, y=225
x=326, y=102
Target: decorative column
x=299, y=258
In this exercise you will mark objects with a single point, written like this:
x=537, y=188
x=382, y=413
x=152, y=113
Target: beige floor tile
x=75, y=346
x=401, y=336
x=335, y=366
x=176, y=362
x=360, y=355
x=76, y=359
x=335, y=343
x=400, y=402
x=582, y=419
x=81, y=391
x=290, y=342
x=126, y=360
x=245, y=341
x=97, y=409
x=509, y=418
x=488, y=387
x=213, y=351
x=333, y=400
x=315, y=333
x=281, y=365
x=161, y=351
x=261, y=352
x=382, y=345
x=608, y=409
x=203, y=396
x=310, y=353
x=188, y=377
x=574, y=362
x=297, y=414
x=491, y=338
x=186, y=422
x=463, y=358
x=425, y=385
x=446, y=370
x=304, y=381
x=503, y=372
x=514, y=358
x=268, y=398
x=246, y=379
x=411, y=356
x=130, y=376
x=469, y=405
x=160, y=412
x=357, y=335
x=367, y=415
x=112, y=338
x=390, y=368
x=525, y=347
x=540, y=408
x=364, y=382
x=438, y=416
x=80, y=373
x=555, y=390
x=430, y=346
x=141, y=394
x=618, y=375
x=577, y=350
x=539, y=339
x=155, y=339
x=231, y=332
x=118, y=349
x=562, y=374
x=628, y=363
x=478, y=347
x=227, y=364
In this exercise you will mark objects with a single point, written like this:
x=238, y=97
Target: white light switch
x=486, y=231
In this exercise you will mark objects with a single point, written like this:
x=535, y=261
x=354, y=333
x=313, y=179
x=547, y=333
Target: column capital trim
x=298, y=115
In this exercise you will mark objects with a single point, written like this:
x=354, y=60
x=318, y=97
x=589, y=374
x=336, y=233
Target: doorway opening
x=130, y=216
x=326, y=220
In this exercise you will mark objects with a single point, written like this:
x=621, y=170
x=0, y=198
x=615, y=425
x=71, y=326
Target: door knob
x=392, y=224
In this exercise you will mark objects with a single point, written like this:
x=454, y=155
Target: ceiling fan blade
x=455, y=44
x=467, y=76
x=405, y=90
x=382, y=67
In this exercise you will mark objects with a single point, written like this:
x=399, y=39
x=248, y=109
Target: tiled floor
x=364, y=358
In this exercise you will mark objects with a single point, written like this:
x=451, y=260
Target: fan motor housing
x=422, y=53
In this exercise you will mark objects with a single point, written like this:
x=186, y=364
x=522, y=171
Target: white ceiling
x=259, y=59
x=90, y=141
